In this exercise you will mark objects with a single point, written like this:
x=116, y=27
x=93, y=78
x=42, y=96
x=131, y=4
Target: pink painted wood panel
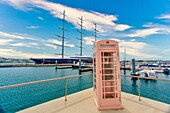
x=106, y=75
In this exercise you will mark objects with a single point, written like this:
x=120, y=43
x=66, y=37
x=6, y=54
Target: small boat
x=166, y=71
x=148, y=73
x=83, y=65
x=135, y=74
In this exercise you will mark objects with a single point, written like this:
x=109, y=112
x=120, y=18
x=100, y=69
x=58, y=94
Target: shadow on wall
x=1, y=109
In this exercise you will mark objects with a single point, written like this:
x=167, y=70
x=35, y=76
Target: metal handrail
x=42, y=81
x=68, y=77
x=148, y=78
x=63, y=78
x=48, y=80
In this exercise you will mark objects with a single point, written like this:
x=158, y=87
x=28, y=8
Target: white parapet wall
x=82, y=102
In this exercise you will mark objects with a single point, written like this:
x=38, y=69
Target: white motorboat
x=83, y=65
x=148, y=73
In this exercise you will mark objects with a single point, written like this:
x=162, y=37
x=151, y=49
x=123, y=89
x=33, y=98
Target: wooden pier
x=86, y=69
x=76, y=66
x=26, y=65
x=33, y=65
x=125, y=68
x=63, y=67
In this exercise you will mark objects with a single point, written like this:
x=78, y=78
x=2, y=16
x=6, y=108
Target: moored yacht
x=148, y=73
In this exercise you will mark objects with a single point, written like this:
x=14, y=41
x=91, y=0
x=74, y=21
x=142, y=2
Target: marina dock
x=32, y=65
x=63, y=67
x=82, y=102
x=26, y=65
x=125, y=68
x=66, y=66
x=86, y=69
x=77, y=66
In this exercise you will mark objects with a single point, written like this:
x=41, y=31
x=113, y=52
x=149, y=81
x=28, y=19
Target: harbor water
x=19, y=98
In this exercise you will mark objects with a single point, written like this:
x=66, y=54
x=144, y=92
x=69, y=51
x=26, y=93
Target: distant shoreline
x=6, y=65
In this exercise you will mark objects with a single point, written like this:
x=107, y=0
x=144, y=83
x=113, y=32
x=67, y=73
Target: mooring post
x=139, y=89
x=133, y=67
x=80, y=66
x=65, y=89
x=124, y=61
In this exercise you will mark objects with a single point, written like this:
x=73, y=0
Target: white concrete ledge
x=82, y=102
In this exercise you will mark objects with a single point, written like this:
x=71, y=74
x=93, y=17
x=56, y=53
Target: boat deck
x=82, y=102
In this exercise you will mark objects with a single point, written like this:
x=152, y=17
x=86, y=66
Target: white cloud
x=37, y=44
x=165, y=51
x=164, y=16
x=19, y=54
x=115, y=39
x=69, y=45
x=89, y=40
x=33, y=27
x=153, y=25
x=134, y=45
x=5, y=50
x=30, y=45
x=51, y=45
x=163, y=29
x=20, y=45
x=54, y=41
x=33, y=44
x=138, y=54
x=130, y=44
x=137, y=49
x=121, y=27
x=40, y=18
x=133, y=40
x=5, y=41
x=3, y=34
x=73, y=14
x=42, y=56
x=134, y=48
x=144, y=32
x=15, y=36
x=150, y=29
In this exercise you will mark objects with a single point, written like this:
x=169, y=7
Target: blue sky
x=28, y=27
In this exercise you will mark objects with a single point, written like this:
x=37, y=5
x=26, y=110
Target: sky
x=28, y=28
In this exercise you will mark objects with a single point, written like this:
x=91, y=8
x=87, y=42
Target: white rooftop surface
x=82, y=102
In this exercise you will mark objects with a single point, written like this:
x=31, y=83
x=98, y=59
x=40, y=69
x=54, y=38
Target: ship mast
x=95, y=32
x=81, y=35
x=63, y=33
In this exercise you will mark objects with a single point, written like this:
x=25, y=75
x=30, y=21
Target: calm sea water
x=16, y=99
